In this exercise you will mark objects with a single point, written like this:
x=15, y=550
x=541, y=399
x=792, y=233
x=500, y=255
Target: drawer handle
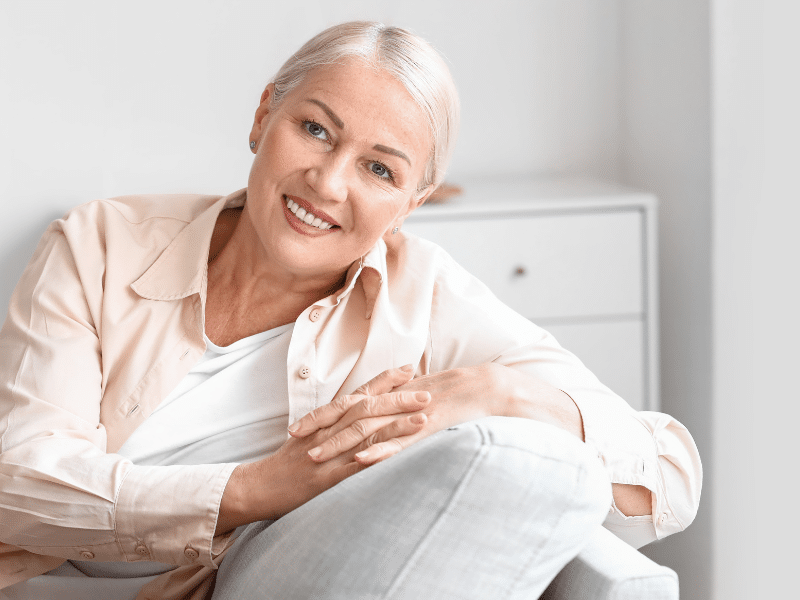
x=520, y=271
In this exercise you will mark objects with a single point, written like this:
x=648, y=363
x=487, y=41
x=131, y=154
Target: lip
x=315, y=211
x=301, y=226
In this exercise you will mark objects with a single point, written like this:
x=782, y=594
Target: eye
x=316, y=130
x=381, y=171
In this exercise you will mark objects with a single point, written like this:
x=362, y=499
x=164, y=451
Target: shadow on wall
x=16, y=258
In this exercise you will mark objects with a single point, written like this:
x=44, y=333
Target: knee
x=531, y=453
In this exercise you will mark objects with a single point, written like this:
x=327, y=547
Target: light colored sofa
x=610, y=569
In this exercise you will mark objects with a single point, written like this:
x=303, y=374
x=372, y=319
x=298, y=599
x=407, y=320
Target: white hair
x=407, y=57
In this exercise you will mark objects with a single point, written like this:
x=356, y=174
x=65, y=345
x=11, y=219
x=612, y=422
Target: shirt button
x=191, y=553
x=314, y=315
x=86, y=555
x=305, y=372
x=663, y=518
x=142, y=550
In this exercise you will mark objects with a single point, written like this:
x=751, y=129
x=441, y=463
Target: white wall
x=105, y=98
x=756, y=297
x=665, y=121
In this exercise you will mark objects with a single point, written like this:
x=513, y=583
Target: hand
x=356, y=418
x=370, y=424
x=458, y=396
x=276, y=485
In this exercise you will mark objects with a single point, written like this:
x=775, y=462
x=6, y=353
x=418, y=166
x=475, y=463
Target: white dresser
x=577, y=257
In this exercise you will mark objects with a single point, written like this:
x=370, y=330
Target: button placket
x=301, y=361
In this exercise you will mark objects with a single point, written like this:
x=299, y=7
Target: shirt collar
x=180, y=270
x=369, y=271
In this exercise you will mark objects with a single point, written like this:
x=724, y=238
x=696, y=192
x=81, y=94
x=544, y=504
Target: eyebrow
x=331, y=115
x=340, y=124
x=388, y=150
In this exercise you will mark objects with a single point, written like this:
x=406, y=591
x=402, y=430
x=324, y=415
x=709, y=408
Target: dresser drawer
x=549, y=266
x=614, y=352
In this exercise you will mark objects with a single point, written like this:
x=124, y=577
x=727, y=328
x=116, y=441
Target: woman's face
x=338, y=164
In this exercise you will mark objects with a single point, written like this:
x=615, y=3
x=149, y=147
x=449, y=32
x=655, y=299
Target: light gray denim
x=493, y=509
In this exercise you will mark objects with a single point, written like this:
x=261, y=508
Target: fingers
x=393, y=403
x=387, y=381
x=324, y=416
x=364, y=432
x=399, y=435
x=357, y=407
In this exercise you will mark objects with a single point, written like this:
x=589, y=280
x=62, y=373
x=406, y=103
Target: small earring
x=252, y=145
x=395, y=230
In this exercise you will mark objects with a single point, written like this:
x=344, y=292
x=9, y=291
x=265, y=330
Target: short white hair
x=409, y=58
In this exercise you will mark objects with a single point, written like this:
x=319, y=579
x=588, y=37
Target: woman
x=157, y=347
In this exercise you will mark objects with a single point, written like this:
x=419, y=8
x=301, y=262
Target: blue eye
x=315, y=129
x=379, y=170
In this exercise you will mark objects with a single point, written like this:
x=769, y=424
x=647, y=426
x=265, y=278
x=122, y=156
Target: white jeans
x=493, y=508
x=490, y=509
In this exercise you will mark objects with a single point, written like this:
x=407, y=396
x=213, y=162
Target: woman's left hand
x=457, y=396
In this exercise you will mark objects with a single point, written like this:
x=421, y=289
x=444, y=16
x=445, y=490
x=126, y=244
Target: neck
x=238, y=266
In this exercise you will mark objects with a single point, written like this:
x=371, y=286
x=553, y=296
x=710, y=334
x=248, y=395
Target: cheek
x=379, y=217
x=279, y=152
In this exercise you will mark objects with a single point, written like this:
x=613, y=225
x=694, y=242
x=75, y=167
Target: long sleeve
x=61, y=493
x=469, y=326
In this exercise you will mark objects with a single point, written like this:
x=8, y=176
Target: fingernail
x=294, y=427
x=423, y=397
x=417, y=419
x=363, y=454
x=315, y=452
x=407, y=368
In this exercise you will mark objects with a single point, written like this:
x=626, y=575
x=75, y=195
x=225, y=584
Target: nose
x=329, y=177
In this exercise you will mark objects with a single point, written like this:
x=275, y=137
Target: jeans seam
x=408, y=567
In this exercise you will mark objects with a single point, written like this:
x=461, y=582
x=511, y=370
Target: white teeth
x=305, y=216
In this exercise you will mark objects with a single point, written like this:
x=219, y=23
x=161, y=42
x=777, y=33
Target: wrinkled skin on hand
x=389, y=416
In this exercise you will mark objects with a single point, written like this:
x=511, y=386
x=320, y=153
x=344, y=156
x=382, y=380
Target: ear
x=262, y=115
x=418, y=199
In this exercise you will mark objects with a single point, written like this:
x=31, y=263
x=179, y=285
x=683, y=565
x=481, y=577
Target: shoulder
x=468, y=324
x=129, y=224
x=137, y=209
x=116, y=239
x=406, y=251
x=425, y=261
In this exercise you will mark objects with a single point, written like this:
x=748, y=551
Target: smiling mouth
x=306, y=216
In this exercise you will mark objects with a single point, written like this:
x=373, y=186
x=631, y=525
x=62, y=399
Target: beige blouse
x=108, y=318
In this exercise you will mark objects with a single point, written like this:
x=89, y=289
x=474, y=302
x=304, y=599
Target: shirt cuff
x=649, y=449
x=169, y=514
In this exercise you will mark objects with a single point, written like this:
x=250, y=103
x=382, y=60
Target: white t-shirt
x=233, y=406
